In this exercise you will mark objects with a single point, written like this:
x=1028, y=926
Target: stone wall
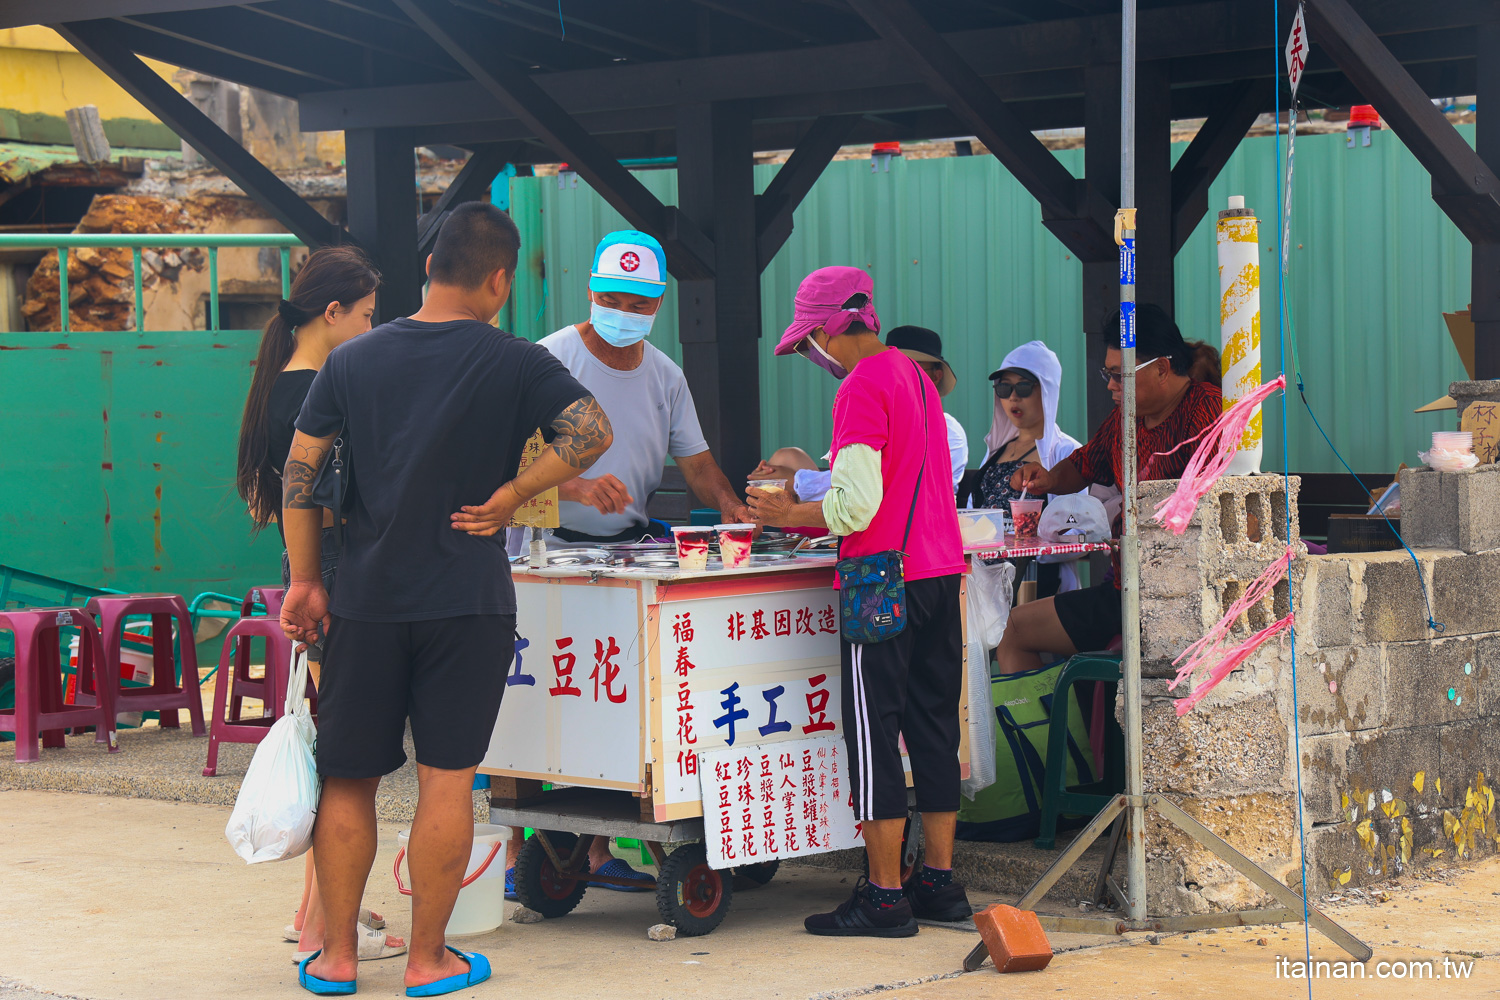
x=1398, y=723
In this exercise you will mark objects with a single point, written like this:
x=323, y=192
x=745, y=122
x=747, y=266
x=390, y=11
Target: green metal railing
x=213, y=242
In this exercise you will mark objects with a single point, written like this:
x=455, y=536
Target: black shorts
x=1090, y=616
x=446, y=674
x=907, y=686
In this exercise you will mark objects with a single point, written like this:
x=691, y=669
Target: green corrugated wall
x=956, y=244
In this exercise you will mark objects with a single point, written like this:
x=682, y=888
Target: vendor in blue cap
x=645, y=395
x=647, y=400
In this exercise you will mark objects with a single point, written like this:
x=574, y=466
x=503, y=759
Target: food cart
x=697, y=712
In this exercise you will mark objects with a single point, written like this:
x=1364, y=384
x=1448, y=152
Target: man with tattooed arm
x=436, y=409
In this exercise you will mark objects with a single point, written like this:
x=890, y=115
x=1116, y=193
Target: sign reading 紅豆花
x=777, y=800
x=1296, y=50
x=541, y=510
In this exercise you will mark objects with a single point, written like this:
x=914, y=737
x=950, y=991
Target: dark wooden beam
x=775, y=206
x=689, y=252
x=719, y=319
x=1205, y=29
x=1031, y=163
x=1100, y=272
x=641, y=42
x=239, y=33
x=379, y=36
x=202, y=59
x=541, y=31
x=536, y=50
x=96, y=40
x=1206, y=155
x=1484, y=274
x=784, y=17
x=1464, y=186
x=382, y=211
x=471, y=184
x=20, y=13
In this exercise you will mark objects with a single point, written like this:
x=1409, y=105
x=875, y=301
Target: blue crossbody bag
x=872, y=588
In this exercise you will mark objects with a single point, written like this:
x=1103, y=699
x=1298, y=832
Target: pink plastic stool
x=39, y=700
x=234, y=663
x=165, y=695
x=268, y=596
x=246, y=686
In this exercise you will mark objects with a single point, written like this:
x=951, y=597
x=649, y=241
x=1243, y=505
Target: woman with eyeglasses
x=1025, y=426
x=1172, y=408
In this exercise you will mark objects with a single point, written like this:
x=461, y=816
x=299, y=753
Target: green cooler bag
x=1011, y=808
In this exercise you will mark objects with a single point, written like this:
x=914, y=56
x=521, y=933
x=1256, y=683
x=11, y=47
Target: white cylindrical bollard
x=1239, y=322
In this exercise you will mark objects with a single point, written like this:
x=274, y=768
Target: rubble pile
x=101, y=293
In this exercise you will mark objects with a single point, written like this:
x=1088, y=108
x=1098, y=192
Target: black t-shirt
x=436, y=417
x=287, y=394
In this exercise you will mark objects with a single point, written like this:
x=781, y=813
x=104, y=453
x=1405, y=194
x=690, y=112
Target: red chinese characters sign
x=742, y=671
x=779, y=800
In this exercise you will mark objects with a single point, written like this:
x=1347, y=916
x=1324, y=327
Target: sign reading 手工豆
x=753, y=668
x=778, y=800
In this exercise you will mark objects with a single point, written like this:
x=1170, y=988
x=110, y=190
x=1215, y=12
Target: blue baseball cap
x=629, y=261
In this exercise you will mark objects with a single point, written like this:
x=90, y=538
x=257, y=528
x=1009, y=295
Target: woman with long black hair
x=332, y=300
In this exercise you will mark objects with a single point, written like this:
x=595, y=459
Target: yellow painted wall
x=40, y=73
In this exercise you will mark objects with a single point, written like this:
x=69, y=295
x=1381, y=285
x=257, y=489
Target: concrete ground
x=117, y=899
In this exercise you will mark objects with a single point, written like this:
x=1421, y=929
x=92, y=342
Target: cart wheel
x=538, y=885
x=691, y=896
x=755, y=876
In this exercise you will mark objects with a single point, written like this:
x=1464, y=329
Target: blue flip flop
x=510, y=883
x=615, y=868
x=323, y=987
x=479, y=971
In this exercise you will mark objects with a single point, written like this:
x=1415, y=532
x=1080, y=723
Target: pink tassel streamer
x=1217, y=448
x=1205, y=648
x=1236, y=656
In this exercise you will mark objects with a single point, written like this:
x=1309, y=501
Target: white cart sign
x=779, y=800
x=572, y=705
x=758, y=668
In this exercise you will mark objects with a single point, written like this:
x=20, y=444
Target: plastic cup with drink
x=734, y=544
x=692, y=542
x=1026, y=515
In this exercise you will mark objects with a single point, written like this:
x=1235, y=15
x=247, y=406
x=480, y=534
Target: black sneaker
x=949, y=904
x=858, y=917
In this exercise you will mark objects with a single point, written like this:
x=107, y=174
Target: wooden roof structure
x=710, y=81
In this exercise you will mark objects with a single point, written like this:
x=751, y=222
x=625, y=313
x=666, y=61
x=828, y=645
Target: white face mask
x=617, y=327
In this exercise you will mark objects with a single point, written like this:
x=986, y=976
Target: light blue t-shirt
x=653, y=416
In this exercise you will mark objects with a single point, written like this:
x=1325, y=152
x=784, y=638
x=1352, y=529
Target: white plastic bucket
x=480, y=907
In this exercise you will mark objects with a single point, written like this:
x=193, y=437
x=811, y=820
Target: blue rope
x=1283, y=221
x=560, y=22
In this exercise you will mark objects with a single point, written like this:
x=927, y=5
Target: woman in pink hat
x=891, y=490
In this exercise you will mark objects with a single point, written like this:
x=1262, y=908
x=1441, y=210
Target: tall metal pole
x=1130, y=566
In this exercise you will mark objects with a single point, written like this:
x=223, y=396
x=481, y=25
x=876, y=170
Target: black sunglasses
x=1021, y=388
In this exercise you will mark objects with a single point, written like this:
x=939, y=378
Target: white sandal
x=372, y=946
x=292, y=934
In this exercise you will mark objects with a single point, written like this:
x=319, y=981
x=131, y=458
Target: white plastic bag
x=278, y=801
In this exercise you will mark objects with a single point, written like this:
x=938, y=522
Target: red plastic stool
x=166, y=694
x=39, y=701
x=270, y=597
x=234, y=663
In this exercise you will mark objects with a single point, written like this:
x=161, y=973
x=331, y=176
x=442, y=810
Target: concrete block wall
x=1451, y=510
x=1399, y=723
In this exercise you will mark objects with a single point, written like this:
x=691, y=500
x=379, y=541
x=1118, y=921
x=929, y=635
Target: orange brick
x=1015, y=938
